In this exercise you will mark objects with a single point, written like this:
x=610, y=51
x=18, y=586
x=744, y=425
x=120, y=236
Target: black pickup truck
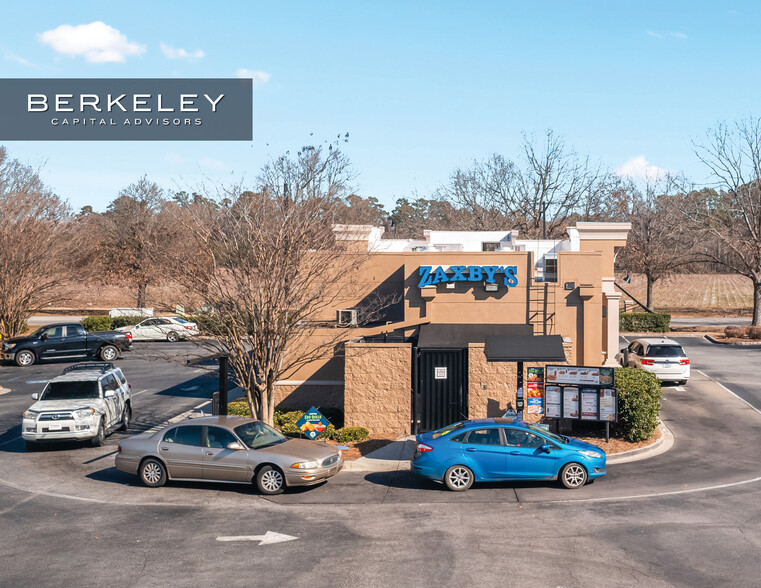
x=65, y=340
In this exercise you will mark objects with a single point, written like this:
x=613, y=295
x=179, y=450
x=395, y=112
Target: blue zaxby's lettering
x=475, y=273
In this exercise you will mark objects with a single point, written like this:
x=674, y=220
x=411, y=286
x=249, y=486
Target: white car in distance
x=663, y=357
x=162, y=328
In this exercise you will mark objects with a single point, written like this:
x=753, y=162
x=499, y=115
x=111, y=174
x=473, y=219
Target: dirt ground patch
x=618, y=445
x=694, y=294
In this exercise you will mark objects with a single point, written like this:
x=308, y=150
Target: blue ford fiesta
x=495, y=450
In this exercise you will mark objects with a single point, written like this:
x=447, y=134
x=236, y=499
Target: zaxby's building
x=459, y=303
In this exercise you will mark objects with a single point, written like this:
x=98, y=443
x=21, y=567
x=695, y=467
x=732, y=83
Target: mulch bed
x=618, y=445
x=361, y=448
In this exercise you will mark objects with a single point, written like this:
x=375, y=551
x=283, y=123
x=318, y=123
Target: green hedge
x=639, y=403
x=644, y=322
x=97, y=323
x=286, y=422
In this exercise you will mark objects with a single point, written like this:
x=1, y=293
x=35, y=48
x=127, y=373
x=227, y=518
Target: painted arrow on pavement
x=267, y=539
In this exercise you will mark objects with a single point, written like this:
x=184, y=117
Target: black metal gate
x=439, y=388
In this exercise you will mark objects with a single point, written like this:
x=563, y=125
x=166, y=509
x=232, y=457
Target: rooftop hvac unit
x=346, y=317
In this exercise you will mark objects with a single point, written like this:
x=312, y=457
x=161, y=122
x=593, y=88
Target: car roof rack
x=91, y=366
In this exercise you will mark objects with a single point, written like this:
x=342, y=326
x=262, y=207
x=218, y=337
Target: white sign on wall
x=440, y=373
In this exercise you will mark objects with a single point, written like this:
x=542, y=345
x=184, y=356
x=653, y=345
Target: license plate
x=55, y=427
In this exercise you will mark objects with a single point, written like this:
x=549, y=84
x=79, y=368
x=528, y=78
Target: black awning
x=525, y=348
x=454, y=336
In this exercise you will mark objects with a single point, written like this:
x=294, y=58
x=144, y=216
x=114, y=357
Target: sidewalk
x=391, y=457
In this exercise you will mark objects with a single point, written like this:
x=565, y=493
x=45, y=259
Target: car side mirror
x=109, y=394
x=35, y=396
x=546, y=447
x=44, y=336
x=235, y=446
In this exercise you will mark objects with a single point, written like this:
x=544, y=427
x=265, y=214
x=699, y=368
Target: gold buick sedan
x=227, y=449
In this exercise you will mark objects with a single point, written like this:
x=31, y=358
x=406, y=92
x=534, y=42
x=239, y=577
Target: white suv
x=86, y=402
x=663, y=357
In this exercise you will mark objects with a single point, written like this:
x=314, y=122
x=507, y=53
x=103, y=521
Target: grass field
x=693, y=292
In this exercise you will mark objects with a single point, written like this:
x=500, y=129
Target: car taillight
x=188, y=328
x=129, y=335
x=118, y=449
x=423, y=448
x=684, y=362
x=648, y=361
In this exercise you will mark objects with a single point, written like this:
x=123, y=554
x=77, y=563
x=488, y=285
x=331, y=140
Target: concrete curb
x=662, y=445
x=734, y=344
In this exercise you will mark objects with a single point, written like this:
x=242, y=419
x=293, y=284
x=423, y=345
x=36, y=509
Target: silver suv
x=86, y=402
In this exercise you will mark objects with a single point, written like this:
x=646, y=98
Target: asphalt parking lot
x=687, y=517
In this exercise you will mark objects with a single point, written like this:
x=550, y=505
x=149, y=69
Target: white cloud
x=654, y=34
x=678, y=35
x=259, y=77
x=96, y=42
x=213, y=164
x=172, y=157
x=10, y=56
x=681, y=36
x=172, y=53
x=639, y=168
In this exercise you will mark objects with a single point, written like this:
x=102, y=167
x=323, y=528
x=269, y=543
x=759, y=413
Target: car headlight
x=306, y=465
x=591, y=454
x=8, y=346
x=84, y=413
x=30, y=414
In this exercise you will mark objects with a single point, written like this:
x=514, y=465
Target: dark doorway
x=439, y=388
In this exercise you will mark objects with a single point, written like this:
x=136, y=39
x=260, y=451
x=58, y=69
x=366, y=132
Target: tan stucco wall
x=378, y=392
x=304, y=396
x=492, y=385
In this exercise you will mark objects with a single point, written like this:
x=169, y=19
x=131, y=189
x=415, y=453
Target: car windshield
x=258, y=435
x=37, y=333
x=70, y=390
x=546, y=433
x=179, y=320
x=446, y=430
x=665, y=351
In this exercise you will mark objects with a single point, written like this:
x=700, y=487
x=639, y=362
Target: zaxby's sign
x=126, y=109
x=468, y=273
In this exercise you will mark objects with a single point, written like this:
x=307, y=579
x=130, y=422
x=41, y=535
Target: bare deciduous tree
x=656, y=243
x=272, y=267
x=134, y=237
x=37, y=244
x=537, y=195
x=731, y=215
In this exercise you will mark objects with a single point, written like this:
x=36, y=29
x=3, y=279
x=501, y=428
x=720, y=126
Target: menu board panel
x=535, y=390
x=607, y=404
x=571, y=374
x=589, y=398
x=570, y=403
x=552, y=400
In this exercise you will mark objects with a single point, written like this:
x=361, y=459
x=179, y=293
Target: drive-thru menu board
x=534, y=390
x=576, y=392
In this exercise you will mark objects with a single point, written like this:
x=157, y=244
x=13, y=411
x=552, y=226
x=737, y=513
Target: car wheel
x=681, y=382
x=270, y=480
x=32, y=446
x=100, y=437
x=172, y=337
x=573, y=475
x=108, y=353
x=25, y=358
x=125, y=418
x=152, y=473
x=458, y=478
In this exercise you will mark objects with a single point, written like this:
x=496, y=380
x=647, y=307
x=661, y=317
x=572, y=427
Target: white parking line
x=141, y=391
x=730, y=391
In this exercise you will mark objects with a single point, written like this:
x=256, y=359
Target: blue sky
x=422, y=87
